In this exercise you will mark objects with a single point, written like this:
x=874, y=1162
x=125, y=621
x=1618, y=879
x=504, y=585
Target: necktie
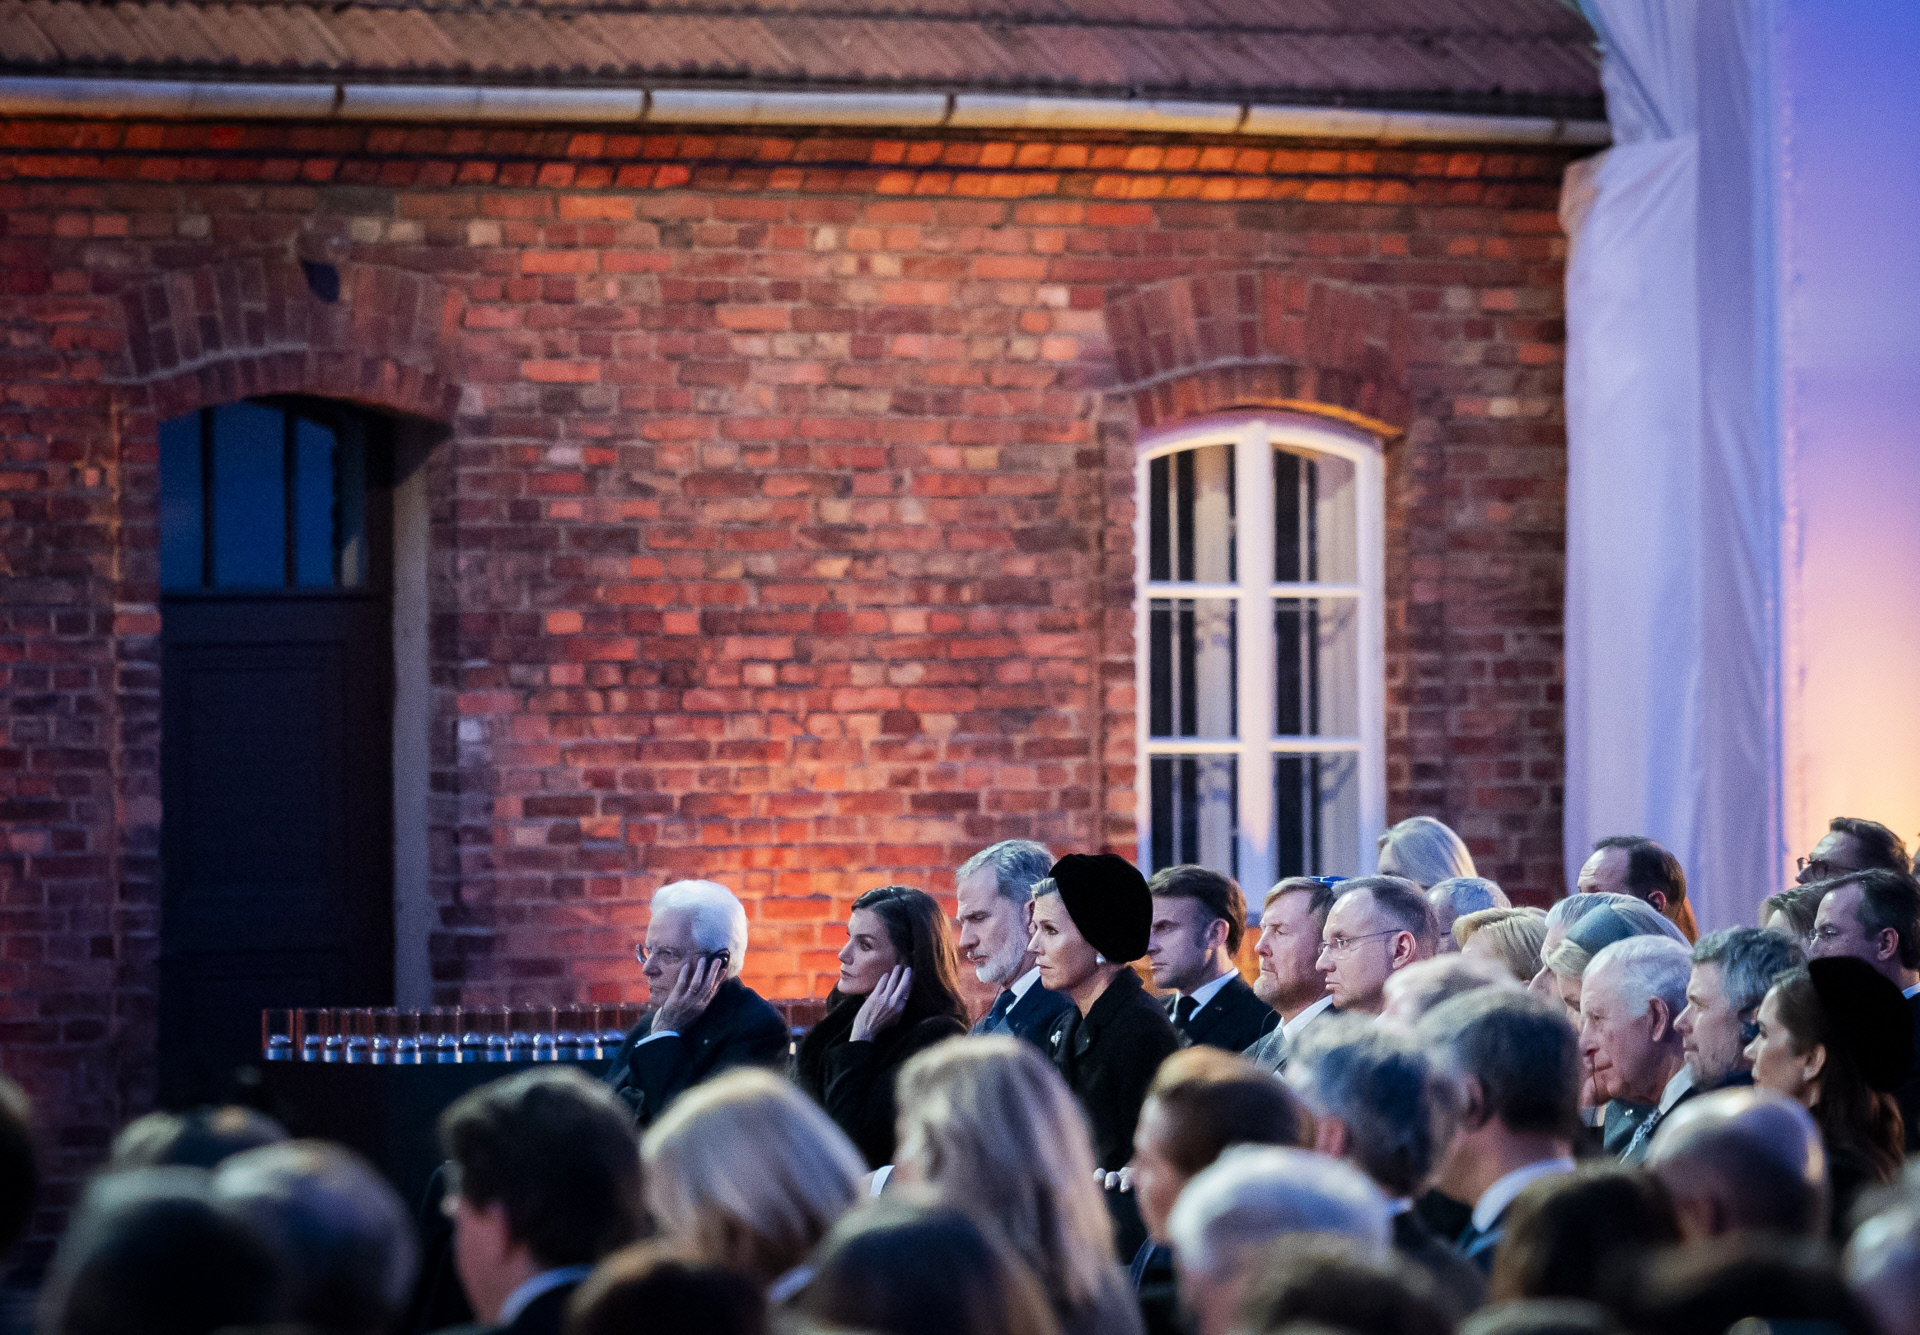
x=1183, y=1010
x=1636, y=1148
x=996, y=1021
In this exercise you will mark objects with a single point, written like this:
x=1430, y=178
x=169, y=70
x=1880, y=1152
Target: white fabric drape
x=1671, y=629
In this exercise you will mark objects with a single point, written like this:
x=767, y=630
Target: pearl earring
x=1098, y=958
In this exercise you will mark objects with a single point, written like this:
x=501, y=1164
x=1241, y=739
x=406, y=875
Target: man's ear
x=1657, y=901
x=1330, y=1137
x=1217, y=932
x=1886, y=943
x=1405, y=949
x=1661, y=1016
x=1473, y=1103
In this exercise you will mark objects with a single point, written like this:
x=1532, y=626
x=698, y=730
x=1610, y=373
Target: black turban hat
x=1867, y=1017
x=1107, y=898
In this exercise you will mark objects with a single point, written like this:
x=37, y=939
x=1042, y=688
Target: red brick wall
x=783, y=532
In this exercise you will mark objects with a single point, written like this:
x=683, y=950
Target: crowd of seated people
x=1422, y=1110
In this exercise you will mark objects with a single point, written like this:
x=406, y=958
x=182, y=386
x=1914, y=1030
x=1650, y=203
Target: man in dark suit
x=994, y=890
x=1373, y=1093
x=704, y=1019
x=543, y=1181
x=1199, y=918
x=1874, y=915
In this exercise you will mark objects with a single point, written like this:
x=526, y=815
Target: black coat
x=1234, y=1018
x=1908, y=1094
x=854, y=1081
x=1109, y=1057
x=1457, y=1279
x=737, y=1028
x=543, y=1316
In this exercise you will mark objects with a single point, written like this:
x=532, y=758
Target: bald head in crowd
x=1743, y=1160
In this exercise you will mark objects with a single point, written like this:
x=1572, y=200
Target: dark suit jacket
x=1908, y=1094
x=1458, y=1280
x=1235, y=1018
x=736, y=1029
x=1109, y=1057
x=542, y=1316
x=1034, y=1015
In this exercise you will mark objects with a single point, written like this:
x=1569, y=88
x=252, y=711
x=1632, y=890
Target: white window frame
x=1255, y=436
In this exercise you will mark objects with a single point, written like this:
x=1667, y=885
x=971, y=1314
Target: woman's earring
x=1098, y=958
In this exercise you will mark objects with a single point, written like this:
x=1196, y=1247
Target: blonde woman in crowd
x=746, y=1173
x=1424, y=851
x=1512, y=938
x=992, y=1127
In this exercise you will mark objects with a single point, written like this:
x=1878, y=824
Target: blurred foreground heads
x=1743, y=1160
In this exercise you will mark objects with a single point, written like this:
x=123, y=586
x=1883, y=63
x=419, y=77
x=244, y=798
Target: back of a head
x=1458, y=896
x=1425, y=851
x=900, y=1266
x=1619, y=921
x=1413, y=991
x=1883, y=1265
x=650, y=1287
x=1758, y=1156
x=556, y=1149
x=344, y=1241
x=1715, y=1284
x=1375, y=1081
x=1541, y=1316
x=1343, y=1285
x=1513, y=936
x=1253, y=1195
x=1520, y=1049
x=1650, y=867
x=1567, y=911
x=1569, y=1236
x=745, y=1171
x=1211, y=1099
x=148, y=1253
x=19, y=1167
x=1400, y=904
x=991, y=1125
x=202, y=1138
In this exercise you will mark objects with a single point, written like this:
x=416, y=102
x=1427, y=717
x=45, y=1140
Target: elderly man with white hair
x=1250, y=1196
x=703, y=1020
x=1632, y=993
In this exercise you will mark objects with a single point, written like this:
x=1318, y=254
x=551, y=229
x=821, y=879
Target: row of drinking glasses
x=390, y=1037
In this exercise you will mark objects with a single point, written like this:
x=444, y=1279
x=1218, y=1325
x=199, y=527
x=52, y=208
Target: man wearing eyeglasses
x=1852, y=844
x=1874, y=915
x=703, y=1020
x=1378, y=926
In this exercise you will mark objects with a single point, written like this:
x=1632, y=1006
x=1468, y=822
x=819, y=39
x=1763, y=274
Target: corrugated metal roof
x=1525, y=57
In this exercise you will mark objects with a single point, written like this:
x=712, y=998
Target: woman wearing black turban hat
x=1837, y=1037
x=1091, y=919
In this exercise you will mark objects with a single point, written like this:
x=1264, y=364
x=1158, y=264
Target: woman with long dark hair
x=898, y=994
x=1837, y=1037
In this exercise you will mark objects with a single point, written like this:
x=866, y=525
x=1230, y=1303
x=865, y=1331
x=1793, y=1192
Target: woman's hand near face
x=884, y=1005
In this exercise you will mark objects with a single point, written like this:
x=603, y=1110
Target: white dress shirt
x=1208, y=991
x=545, y=1282
x=1495, y=1199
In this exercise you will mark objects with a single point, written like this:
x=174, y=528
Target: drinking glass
x=497, y=1023
x=406, y=1040
x=543, y=1027
x=446, y=1028
x=519, y=1035
x=612, y=1032
x=276, y=1035
x=566, y=1038
x=313, y=1033
x=473, y=1038
x=360, y=1036
x=335, y=1047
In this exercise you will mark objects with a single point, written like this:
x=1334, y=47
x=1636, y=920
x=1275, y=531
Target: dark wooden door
x=276, y=771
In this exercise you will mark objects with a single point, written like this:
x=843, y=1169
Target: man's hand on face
x=693, y=991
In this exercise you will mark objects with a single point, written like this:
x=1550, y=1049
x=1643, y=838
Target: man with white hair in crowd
x=994, y=894
x=1456, y=897
x=703, y=1019
x=1632, y=992
x=1252, y=1195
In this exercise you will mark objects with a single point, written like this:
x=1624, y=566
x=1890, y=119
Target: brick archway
x=1192, y=346
x=253, y=326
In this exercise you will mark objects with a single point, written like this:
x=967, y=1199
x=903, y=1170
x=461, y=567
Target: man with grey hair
x=1743, y=1161
x=994, y=894
x=1732, y=970
x=1631, y=994
x=1373, y=1098
x=344, y=1241
x=1456, y=897
x=1513, y=1064
x=704, y=1020
x=1250, y=1196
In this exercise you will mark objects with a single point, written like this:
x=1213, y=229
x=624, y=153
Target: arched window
x=1260, y=660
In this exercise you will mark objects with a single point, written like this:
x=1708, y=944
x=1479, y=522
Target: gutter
x=123, y=98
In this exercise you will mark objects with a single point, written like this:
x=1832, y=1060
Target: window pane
x=313, y=503
x=1316, y=667
x=1190, y=668
x=180, y=515
x=1315, y=520
x=1190, y=535
x=1316, y=815
x=249, y=497
x=1195, y=799
x=350, y=504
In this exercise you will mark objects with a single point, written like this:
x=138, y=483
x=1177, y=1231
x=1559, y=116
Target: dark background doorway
x=276, y=713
